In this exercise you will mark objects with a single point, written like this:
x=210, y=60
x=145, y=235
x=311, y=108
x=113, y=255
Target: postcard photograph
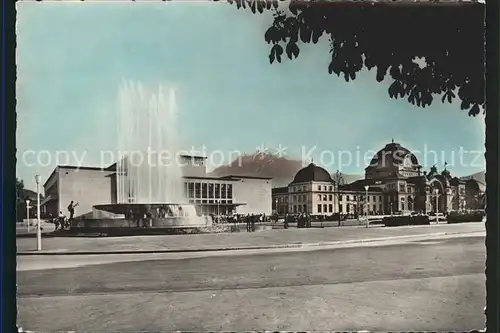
x=250, y=166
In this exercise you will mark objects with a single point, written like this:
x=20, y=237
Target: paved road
x=436, y=285
x=240, y=239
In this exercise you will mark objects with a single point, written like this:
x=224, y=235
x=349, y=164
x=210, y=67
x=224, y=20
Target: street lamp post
x=276, y=205
x=28, y=213
x=38, y=226
x=338, y=181
x=218, y=208
x=436, y=192
x=366, y=206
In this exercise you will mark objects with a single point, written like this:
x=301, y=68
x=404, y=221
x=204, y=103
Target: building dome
x=312, y=173
x=393, y=154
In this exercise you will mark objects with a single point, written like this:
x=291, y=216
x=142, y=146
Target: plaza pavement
x=436, y=284
x=236, y=241
x=22, y=229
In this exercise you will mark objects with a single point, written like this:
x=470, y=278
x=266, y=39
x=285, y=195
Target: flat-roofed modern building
x=91, y=186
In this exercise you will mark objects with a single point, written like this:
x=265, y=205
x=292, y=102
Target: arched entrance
x=411, y=203
x=437, y=196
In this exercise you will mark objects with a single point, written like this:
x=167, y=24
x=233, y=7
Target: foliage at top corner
x=19, y=189
x=388, y=38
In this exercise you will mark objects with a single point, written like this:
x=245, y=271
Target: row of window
x=328, y=208
x=195, y=190
x=323, y=208
x=210, y=201
x=303, y=188
x=325, y=188
x=302, y=198
x=299, y=198
x=352, y=208
x=330, y=197
x=281, y=199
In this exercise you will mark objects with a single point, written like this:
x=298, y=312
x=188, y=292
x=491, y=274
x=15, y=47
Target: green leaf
x=316, y=35
x=271, y=34
x=393, y=89
x=391, y=39
x=305, y=34
x=260, y=6
x=275, y=53
x=451, y=95
x=465, y=105
x=474, y=111
x=289, y=48
x=292, y=50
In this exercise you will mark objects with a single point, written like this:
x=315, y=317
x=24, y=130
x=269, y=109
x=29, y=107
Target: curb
x=242, y=248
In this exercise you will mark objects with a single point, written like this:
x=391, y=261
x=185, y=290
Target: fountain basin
x=168, y=222
x=123, y=228
x=143, y=219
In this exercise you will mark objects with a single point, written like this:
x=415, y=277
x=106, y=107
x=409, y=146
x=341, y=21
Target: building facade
x=313, y=191
x=91, y=186
x=395, y=181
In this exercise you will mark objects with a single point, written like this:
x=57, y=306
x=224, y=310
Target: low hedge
x=398, y=221
x=467, y=217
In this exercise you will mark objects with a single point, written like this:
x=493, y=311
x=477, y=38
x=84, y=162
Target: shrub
x=465, y=217
x=397, y=221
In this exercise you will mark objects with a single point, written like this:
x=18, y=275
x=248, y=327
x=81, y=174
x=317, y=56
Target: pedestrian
x=254, y=218
x=71, y=210
x=149, y=219
x=247, y=220
x=61, y=220
x=56, y=223
x=285, y=223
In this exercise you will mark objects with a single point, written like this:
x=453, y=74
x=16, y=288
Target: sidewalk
x=291, y=238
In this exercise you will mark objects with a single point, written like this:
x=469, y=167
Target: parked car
x=433, y=216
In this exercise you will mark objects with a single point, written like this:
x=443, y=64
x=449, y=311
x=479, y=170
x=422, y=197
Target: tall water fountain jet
x=149, y=170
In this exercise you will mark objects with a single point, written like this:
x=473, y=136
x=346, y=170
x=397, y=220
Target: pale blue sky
x=72, y=58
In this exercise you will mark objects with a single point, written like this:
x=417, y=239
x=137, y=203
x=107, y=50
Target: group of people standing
x=239, y=218
x=61, y=222
x=303, y=220
x=250, y=221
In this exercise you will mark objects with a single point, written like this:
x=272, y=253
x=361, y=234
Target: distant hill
x=351, y=178
x=281, y=169
x=478, y=176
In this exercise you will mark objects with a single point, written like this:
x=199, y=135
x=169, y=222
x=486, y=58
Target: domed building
x=307, y=182
x=394, y=182
x=312, y=173
x=397, y=172
x=314, y=191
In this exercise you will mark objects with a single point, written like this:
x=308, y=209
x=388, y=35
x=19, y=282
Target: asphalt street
x=436, y=285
